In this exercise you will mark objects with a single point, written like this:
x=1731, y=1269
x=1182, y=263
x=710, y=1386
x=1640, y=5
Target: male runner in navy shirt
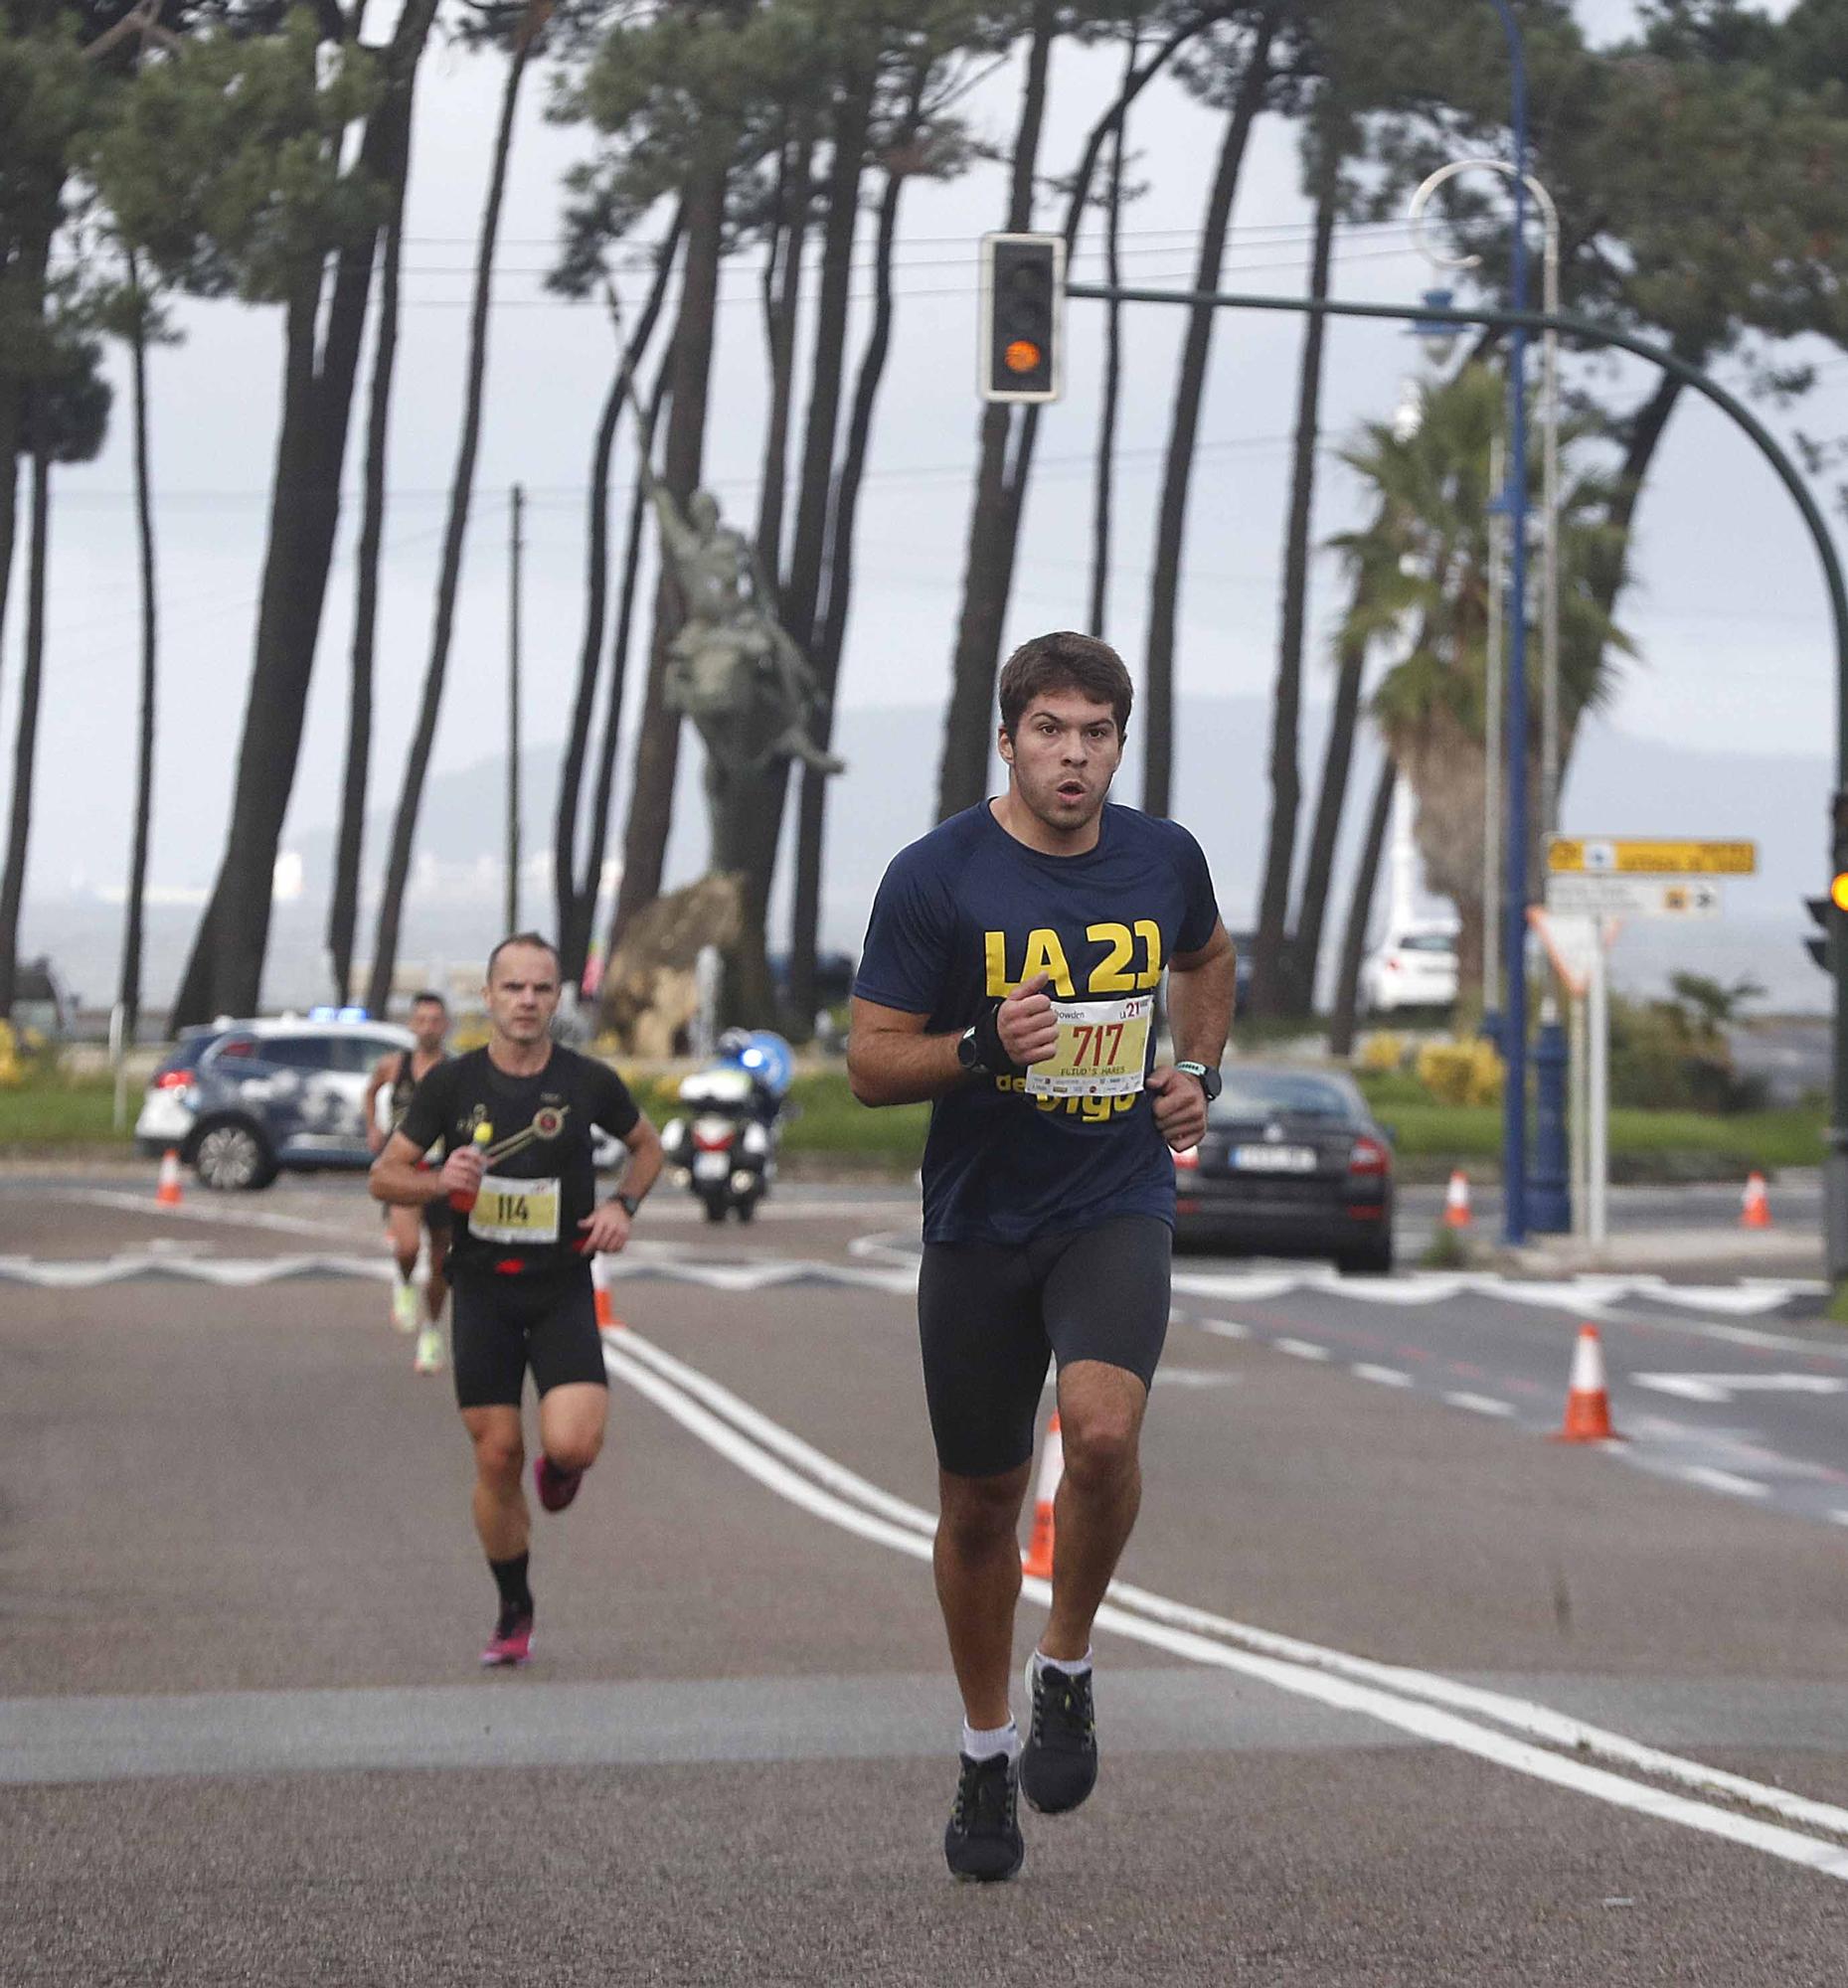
x=1009, y=976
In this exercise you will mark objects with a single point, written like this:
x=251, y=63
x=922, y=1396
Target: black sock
x=510, y=1578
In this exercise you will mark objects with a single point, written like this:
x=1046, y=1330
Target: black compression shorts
x=504, y=1325
x=991, y=1315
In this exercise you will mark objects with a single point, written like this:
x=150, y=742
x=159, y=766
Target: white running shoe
x=429, y=1358
x=405, y=1307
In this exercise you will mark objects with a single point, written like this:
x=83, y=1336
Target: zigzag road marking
x=884, y=1267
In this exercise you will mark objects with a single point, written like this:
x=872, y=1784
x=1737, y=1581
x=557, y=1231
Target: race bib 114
x=1103, y=1050
x=522, y=1212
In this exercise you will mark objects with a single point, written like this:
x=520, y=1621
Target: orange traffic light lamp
x=1838, y=890
x=1022, y=318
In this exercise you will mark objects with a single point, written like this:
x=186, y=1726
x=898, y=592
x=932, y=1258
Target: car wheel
x=1376, y=1260
x=230, y=1156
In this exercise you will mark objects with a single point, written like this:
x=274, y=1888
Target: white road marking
x=1329, y=1676
x=1724, y=1480
x=1724, y=1387
x=1223, y=1328
x=1483, y=1405
x=1302, y=1349
x=1386, y=1377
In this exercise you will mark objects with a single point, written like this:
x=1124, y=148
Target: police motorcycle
x=723, y=1146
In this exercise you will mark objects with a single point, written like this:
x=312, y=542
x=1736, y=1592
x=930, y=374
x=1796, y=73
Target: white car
x=1416, y=967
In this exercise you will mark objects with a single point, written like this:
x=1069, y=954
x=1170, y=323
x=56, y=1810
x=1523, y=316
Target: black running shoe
x=982, y=1842
x=1059, y=1763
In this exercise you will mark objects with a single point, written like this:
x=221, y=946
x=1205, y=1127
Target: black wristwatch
x=628, y=1205
x=1210, y=1079
x=980, y=1051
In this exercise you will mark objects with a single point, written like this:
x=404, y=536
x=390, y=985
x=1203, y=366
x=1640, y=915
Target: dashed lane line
x=1413, y=1702
x=1482, y=1405
x=1386, y=1377
x=1724, y=1480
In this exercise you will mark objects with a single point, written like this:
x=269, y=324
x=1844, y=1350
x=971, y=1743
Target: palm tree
x=1428, y=550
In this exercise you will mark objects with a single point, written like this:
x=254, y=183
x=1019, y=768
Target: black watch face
x=965, y=1049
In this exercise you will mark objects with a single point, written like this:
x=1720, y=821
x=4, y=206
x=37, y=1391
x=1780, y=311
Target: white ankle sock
x=1077, y=1667
x=985, y=1746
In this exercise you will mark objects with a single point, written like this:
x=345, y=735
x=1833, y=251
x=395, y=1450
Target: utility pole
x=515, y=546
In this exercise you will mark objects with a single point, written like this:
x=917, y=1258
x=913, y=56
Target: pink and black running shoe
x=511, y=1642
x=556, y=1487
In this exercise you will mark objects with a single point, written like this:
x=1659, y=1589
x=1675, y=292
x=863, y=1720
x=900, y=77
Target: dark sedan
x=1293, y=1163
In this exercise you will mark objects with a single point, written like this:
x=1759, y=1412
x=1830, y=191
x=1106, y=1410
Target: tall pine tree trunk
x=572, y=923
x=619, y=669
x=224, y=972
x=461, y=493
x=962, y=775
x=805, y=922
x=657, y=742
x=1305, y=947
x=26, y=736
x=752, y=831
x=1360, y=910
x=1271, y=991
x=1184, y=429
x=343, y=906
x=1105, y=487
x=130, y=992
x=782, y=307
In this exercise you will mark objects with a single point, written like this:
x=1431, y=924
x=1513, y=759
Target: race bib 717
x=1103, y=1050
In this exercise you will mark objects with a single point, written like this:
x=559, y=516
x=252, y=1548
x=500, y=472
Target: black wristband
x=989, y=1052
x=628, y=1205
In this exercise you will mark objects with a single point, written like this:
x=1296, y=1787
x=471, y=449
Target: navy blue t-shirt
x=962, y=918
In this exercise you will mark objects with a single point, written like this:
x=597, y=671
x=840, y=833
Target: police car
x=244, y=1100
x=241, y=1100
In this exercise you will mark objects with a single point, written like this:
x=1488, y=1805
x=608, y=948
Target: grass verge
x=51, y=1113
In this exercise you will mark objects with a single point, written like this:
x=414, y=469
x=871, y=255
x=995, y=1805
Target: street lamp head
x=1437, y=335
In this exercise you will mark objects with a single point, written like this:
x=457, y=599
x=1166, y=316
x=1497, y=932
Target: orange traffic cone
x=1457, y=1201
x=606, y=1319
x=1588, y=1403
x=167, y=1193
x=1754, y=1205
x=1039, y=1556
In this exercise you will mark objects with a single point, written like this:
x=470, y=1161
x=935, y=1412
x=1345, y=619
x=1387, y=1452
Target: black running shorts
x=990, y=1315
x=504, y=1325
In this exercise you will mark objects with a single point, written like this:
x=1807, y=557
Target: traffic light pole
x=1835, y=1164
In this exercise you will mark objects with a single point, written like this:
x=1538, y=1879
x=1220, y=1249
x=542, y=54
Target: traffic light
x=1023, y=319
x=1824, y=909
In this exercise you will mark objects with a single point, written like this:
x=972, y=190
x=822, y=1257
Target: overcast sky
x=1729, y=609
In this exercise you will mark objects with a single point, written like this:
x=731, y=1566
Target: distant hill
x=1618, y=784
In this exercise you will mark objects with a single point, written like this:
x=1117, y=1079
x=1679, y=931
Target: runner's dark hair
x=521, y=938
x=429, y=994
x=1065, y=660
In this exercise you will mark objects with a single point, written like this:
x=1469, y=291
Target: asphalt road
x=243, y=1739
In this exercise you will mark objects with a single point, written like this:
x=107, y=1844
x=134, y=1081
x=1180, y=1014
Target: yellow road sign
x=1608, y=856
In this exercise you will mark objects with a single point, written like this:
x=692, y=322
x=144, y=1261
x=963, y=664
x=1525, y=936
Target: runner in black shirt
x=514, y=1121
x=398, y=1075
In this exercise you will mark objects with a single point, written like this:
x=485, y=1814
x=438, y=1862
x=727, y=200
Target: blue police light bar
x=328, y=1012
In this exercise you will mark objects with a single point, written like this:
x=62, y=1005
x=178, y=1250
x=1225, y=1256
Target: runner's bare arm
x=398, y=1177
x=891, y=1061
x=606, y=1227
x=375, y=1082
x=644, y=1162
x=1200, y=998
